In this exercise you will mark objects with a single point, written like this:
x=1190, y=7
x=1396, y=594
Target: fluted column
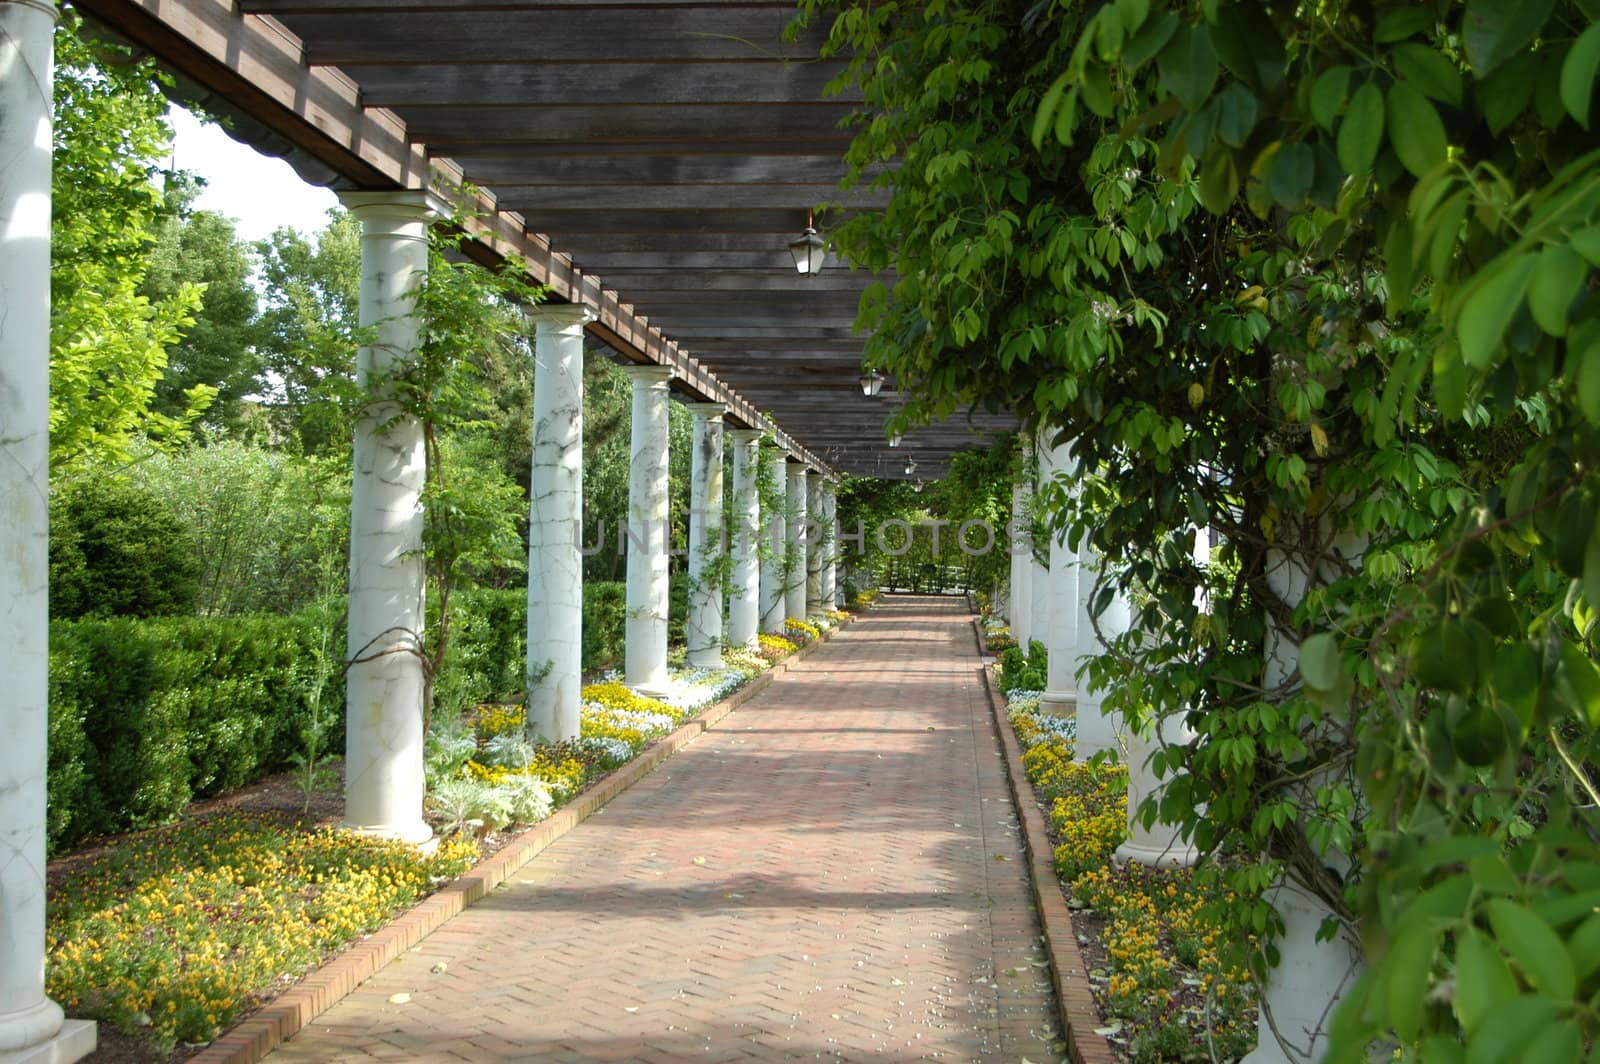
x=1019, y=605
x=645, y=653
x=555, y=513
x=31, y=1025
x=707, y=544
x=774, y=540
x=1061, y=689
x=794, y=586
x=384, y=685
x=744, y=583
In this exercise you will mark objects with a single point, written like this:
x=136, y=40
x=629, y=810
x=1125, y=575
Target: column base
x=704, y=659
x=1178, y=854
x=1055, y=704
x=419, y=834
x=76, y=1040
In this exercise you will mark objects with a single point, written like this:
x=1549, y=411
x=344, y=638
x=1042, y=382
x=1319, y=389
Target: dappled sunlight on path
x=835, y=871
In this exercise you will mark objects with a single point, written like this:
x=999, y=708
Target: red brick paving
x=835, y=872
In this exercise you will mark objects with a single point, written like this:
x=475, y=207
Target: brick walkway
x=833, y=873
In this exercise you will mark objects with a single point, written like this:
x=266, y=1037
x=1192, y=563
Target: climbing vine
x=1319, y=279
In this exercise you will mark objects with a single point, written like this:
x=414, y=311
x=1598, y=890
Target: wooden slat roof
x=656, y=157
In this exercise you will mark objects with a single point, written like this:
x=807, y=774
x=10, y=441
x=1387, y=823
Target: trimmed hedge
x=146, y=714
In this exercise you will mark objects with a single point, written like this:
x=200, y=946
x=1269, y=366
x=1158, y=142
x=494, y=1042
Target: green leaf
x=1219, y=182
x=1414, y=129
x=1290, y=173
x=1583, y=365
x=1508, y=1028
x=1397, y=24
x=1047, y=108
x=1483, y=979
x=1362, y=130
x=1490, y=305
x=1558, y=1043
x=1189, y=65
x=1328, y=95
x=1537, y=949
x=1236, y=114
x=1321, y=666
x=1149, y=40
x=1586, y=242
x=1505, y=94
x=1494, y=30
x=1442, y=658
x=1556, y=281
x=1409, y=962
x=1576, y=669
x=1578, y=73
x=1430, y=72
x=1585, y=946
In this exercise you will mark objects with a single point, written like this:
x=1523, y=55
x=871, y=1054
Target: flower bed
x=1155, y=961
x=181, y=930
x=177, y=932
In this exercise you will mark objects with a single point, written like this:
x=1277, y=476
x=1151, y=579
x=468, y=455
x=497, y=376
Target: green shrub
x=147, y=713
x=605, y=622
x=116, y=550
x=1019, y=673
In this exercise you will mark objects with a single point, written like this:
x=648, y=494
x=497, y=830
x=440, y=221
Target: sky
x=258, y=192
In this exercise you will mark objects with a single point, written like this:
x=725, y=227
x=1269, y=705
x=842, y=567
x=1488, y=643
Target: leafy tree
x=199, y=248
x=1319, y=278
x=266, y=526
x=108, y=340
x=309, y=330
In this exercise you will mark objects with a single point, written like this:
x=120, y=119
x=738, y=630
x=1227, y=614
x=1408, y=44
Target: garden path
x=835, y=872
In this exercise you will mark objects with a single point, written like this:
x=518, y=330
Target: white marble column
x=1304, y=989
x=1019, y=604
x=707, y=542
x=1097, y=730
x=814, y=543
x=384, y=686
x=555, y=515
x=1161, y=844
x=774, y=541
x=1039, y=559
x=829, y=524
x=1061, y=689
x=744, y=585
x=645, y=654
x=794, y=586
x=31, y=1025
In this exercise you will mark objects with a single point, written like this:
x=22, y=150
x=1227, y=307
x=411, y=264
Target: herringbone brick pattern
x=833, y=873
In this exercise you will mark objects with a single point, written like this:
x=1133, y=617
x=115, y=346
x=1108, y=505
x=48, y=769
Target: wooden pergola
x=651, y=160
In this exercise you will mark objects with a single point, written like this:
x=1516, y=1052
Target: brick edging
x=1074, y=998
x=320, y=989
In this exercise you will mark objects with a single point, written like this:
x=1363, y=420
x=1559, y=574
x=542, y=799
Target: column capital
x=400, y=204
x=708, y=411
x=48, y=7
x=645, y=376
x=559, y=315
x=746, y=435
